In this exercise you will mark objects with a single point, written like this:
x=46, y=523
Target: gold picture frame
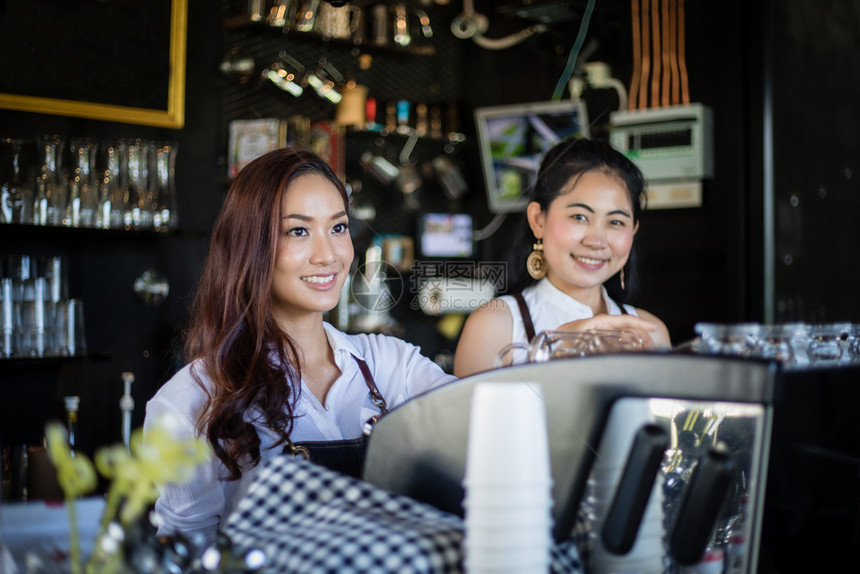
x=171, y=116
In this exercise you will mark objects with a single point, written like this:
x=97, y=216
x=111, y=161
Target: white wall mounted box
x=672, y=145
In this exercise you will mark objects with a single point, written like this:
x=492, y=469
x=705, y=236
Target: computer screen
x=512, y=141
x=445, y=235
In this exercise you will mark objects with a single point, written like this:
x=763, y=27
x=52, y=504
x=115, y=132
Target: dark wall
x=693, y=261
x=122, y=333
x=816, y=159
x=702, y=264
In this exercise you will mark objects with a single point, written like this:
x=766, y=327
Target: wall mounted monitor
x=513, y=139
x=445, y=235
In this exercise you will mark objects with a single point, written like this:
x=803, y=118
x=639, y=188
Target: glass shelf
x=52, y=360
x=53, y=232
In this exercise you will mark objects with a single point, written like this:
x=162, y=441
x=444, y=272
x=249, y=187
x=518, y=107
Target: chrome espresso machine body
x=681, y=463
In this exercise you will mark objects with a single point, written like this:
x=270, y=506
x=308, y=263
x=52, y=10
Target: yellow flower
x=135, y=475
x=75, y=474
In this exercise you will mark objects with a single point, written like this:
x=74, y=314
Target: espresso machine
x=679, y=463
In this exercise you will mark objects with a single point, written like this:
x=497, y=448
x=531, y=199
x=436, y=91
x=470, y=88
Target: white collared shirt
x=551, y=307
x=398, y=369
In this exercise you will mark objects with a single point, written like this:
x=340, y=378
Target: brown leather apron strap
x=345, y=456
x=620, y=306
x=527, y=317
x=375, y=395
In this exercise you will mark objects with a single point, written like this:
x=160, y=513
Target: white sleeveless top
x=550, y=307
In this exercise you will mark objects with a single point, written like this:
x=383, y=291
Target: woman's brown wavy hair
x=232, y=329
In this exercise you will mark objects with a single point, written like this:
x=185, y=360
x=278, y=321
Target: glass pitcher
x=553, y=345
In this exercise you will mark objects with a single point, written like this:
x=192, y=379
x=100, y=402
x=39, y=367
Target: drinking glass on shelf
x=83, y=193
x=798, y=334
x=738, y=339
x=853, y=351
x=827, y=343
x=33, y=329
x=137, y=207
x=69, y=328
x=164, y=215
x=7, y=318
x=775, y=342
x=14, y=193
x=111, y=185
x=49, y=202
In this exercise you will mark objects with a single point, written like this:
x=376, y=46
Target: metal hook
x=408, y=147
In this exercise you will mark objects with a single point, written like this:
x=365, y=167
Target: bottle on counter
x=72, y=405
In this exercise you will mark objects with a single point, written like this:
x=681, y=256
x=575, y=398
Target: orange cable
x=646, y=56
x=637, y=70
x=673, y=51
x=664, y=96
x=655, y=77
x=682, y=58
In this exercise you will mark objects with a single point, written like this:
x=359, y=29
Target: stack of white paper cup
x=508, y=497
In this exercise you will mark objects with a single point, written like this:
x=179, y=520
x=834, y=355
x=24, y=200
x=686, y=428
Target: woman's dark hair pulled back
x=559, y=171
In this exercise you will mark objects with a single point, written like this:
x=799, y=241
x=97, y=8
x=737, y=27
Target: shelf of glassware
x=24, y=232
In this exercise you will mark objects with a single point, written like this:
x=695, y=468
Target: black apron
x=347, y=455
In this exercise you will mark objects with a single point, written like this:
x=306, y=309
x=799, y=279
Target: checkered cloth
x=307, y=518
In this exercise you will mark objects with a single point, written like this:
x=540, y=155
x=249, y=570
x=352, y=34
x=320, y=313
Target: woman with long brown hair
x=265, y=374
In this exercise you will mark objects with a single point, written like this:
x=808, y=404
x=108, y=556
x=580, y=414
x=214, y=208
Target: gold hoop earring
x=536, y=263
x=622, y=279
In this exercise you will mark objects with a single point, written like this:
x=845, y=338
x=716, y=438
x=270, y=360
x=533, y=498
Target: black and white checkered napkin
x=309, y=519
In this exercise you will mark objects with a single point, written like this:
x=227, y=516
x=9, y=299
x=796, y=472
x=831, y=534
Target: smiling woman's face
x=587, y=233
x=314, y=250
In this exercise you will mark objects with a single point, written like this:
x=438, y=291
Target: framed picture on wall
x=327, y=141
x=118, y=61
x=249, y=139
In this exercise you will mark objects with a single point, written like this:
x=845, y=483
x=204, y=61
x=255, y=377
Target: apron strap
x=527, y=317
x=375, y=396
x=620, y=306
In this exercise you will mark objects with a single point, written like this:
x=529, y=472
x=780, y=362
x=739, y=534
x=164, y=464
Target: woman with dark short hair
x=574, y=266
